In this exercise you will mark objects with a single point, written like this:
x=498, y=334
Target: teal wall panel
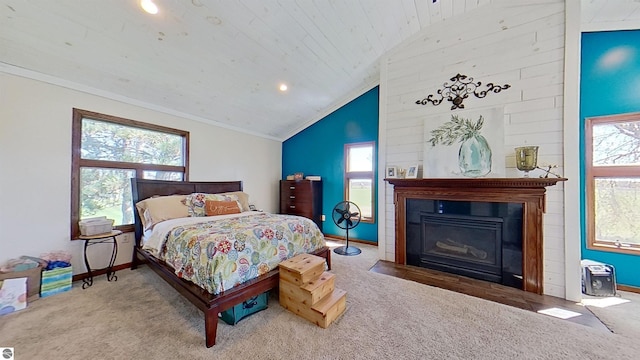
x=319, y=150
x=609, y=85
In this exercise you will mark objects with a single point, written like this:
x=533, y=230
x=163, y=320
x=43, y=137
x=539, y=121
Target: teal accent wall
x=319, y=150
x=609, y=85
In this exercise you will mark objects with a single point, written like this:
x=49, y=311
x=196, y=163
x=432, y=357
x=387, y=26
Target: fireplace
x=440, y=223
x=481, y=240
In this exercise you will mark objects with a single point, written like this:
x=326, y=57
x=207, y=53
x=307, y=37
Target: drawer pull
x=292, y=197
x=292, y=187
x=292, y=206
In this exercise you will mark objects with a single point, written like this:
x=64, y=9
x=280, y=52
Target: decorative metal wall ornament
x=459, y=90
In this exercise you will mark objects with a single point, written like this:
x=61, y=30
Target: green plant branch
x=457, y=128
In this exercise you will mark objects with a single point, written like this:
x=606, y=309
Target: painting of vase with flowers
x=465, y=144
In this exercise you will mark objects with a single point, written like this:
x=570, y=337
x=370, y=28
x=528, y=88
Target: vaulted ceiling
x=610, y=14
x=218, y=61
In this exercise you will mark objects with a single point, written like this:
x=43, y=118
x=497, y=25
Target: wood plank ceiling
x=217, y=61
x=610, y=14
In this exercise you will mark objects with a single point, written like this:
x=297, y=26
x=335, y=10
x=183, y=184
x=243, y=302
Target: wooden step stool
x=308, y=291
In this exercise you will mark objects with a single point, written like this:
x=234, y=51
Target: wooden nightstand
x=100, y=239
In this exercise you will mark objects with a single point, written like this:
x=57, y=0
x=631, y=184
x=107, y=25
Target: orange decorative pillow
x=215, y=207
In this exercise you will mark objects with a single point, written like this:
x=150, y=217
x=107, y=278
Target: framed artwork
x=412, y=172
x=392, y=172
x=465, y=144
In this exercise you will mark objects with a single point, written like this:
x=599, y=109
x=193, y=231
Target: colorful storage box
x=56, y=281
x=33, y=280
x=241, y=311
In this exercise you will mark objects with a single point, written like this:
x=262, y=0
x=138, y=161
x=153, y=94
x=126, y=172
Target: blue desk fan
x=346, y=219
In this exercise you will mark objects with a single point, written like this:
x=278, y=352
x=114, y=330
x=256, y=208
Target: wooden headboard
x=143, y=189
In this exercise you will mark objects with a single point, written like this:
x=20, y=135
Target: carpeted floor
x=620, y=313
x=141, y=317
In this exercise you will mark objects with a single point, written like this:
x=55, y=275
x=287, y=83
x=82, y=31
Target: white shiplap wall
x=521, y=45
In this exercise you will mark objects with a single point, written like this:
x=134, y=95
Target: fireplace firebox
x=466, y=238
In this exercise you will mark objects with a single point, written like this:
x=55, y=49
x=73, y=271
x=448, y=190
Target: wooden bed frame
x=210, y=304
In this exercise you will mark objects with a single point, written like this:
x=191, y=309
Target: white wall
x=520, y=45
x=35, y=165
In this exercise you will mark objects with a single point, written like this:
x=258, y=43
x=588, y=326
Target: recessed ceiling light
x=283, y=87
x=149, y=6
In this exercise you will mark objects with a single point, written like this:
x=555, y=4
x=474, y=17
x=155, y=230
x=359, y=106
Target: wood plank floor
x=487, y=290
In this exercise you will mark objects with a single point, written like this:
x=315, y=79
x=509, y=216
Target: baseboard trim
x=628, y=288
x=342, y=238
x=99, y=272
x=78, y=277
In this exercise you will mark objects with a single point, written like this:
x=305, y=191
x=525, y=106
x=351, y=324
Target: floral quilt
x=220, y=254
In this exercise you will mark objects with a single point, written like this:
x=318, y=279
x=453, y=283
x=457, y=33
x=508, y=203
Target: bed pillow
x=196, y=202
x=215, y=207
x=161, y=208
x=243, y=199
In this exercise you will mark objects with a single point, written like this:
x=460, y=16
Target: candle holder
x=526, y=158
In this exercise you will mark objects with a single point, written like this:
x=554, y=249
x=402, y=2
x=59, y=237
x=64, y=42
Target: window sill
x=613, y=248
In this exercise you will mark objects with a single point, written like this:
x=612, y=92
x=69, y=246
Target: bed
x=226, y=288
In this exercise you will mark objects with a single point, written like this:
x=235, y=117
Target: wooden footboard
x=210, y=304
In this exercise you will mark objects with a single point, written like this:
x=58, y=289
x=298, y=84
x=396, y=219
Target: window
x=359, y=177
x=107, y=152
x=613, y=183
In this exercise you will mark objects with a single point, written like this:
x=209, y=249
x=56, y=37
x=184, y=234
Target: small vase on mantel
x=474, y=156
x=526, y=158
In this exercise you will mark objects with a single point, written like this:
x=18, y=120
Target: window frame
x=77, y=163
x=361, y=175
x=594, y=172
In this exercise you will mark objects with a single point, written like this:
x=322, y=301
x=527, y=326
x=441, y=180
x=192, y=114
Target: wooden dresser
x=302, y=197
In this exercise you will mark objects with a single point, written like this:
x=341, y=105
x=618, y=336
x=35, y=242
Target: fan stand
x=346, y=214
x=347, y=250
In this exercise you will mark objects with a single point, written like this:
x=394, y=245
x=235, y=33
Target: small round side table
x=100, y=239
